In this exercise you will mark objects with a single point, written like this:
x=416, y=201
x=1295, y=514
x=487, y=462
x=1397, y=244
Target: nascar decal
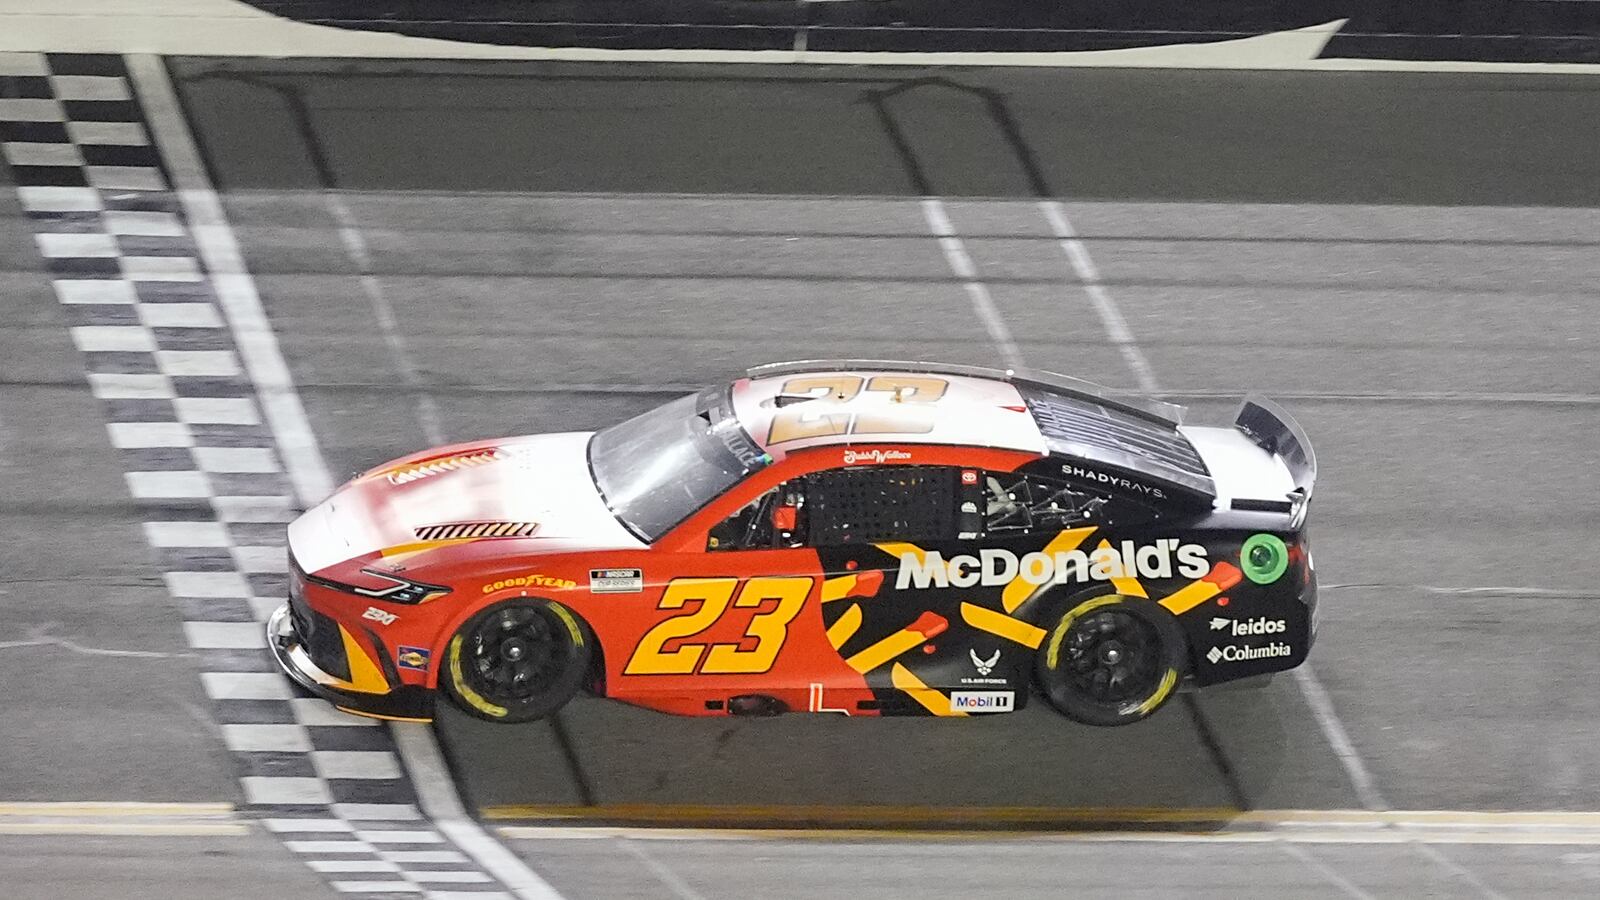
x=992, y=567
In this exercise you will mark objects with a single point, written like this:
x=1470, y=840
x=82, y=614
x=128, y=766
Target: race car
x=854, y=537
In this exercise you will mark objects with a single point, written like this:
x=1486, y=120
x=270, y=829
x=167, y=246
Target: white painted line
x=355, y=764
x=266, y=738
x=1321, y=868
x=1333, y=730
x=665, y=875
x=14, y=109
x=167, y=485
x=236, y=291
x=423, y=856
x=960, y=262
x=160, y=268
x=450, y=876
x=178, y=315
x=226, y=636
x=351, y=865
x=437, y=794
x=316, y=711
x=328, y=846
x=41, y=153
x=113, y=339
x=400, y=837
x=59, y=199
x=286, y=416
x=95, y=290
x=130, y=387
x=125, y=178
x=376, y=887
x=207, y=584
x=1456, y=870
x=89, y=87
x=308, y=826
x=1089, y=276
x=113, y=134
x=284, y=789
x=186, y=534
x=356, y=248
x=377, y=812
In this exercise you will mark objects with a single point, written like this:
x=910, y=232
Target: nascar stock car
x=857, y=537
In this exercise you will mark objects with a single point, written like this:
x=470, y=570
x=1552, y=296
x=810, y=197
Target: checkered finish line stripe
x=204, y=471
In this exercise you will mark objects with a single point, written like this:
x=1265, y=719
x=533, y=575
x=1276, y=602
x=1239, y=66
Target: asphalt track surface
x=1408, y=261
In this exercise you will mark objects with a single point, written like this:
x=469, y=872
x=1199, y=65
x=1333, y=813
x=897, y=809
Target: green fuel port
x=1264, y=558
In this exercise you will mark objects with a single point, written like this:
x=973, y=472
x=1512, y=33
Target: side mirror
x=783, y=518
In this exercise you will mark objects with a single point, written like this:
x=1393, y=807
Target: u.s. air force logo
x=998, y=567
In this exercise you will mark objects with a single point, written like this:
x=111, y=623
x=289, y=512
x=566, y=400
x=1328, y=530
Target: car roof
x=790, y=406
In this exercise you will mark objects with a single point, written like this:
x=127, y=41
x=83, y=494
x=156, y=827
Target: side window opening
x=774, y=519
x=1019, y=503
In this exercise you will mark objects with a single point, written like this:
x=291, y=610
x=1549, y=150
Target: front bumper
x=403, y=702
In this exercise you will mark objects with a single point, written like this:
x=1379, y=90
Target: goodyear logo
x=999, y=567
x=529, y=581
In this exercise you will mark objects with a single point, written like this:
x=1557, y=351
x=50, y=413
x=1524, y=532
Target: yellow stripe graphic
x=1018, y=591
x=845, y=628
x=885, y=650
x=364, y=674
x=1126, y=585
x=931, y=700
x=837, y=588
x=1003, y=625
x=1189, y=596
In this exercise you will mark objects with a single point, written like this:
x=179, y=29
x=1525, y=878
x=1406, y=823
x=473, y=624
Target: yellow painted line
x=113, y=808
x=120, y=818
x=845, y=627
x=1018, y=591
x=865, y=814
x=933, y=701
x=998, y=623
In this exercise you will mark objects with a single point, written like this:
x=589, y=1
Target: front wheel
x=1111, y=660
x=516, y=662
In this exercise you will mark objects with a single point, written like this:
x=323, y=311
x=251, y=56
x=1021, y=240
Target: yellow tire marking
x=837, y=588
x=1059, y=634
x=885, y=650
x=1018, y=591
x=1003, y=625
x=845, y=628
x=571, y=623
x=1126, y=585
x=931, y=700
x=1189, y=596
x=467, y=693
x=364, y=674
x=1168, y=681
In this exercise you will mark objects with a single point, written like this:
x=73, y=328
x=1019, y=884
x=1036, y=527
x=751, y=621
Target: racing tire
x=517, y=661
x=1111, y=660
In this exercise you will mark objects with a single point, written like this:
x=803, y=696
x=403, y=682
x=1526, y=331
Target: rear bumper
x=404, y=702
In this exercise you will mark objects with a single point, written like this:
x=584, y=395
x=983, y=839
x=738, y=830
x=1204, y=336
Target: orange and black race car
x=856, y=537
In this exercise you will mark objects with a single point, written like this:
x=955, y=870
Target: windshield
x=658, y=468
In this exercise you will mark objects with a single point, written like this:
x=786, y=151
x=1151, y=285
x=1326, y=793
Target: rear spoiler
x=1275, y=431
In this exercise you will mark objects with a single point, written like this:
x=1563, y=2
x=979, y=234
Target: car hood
x=535, y=490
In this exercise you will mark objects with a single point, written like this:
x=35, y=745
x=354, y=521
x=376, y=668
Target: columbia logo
x=476, y=529
x=422, y=470
x=1213, y=656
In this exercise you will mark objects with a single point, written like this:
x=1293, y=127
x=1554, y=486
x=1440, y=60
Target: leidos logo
x=1249, y=626
x=996, y=567
x=1232, y=653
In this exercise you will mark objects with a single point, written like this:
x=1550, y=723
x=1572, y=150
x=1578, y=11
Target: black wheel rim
x=513, y=654
x=1112, y=656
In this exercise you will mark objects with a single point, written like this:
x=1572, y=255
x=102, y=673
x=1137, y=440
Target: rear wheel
x=1111, y=660
x=516, y=662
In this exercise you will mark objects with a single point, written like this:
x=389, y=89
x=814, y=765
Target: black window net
x=889, y=503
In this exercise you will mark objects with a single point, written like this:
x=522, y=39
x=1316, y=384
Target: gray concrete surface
x=247, y=867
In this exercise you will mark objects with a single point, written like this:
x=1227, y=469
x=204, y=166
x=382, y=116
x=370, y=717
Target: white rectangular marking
x=112, y=134
x=125, y=178
x=179, y=315
x=328, y=846
x=160, y=268
x=27, y=65
x=113, y=339
x=42, y=153
x=448, y=877
x=292, y=790
x=352, y=865
x=186, y=534
x=151, y=224
x=158, y=485
x=207, y=584
x=246, y=685
x=67, y=246
x=94, y=290
x=202, y=363
x=130, y=435
x=59, y=199
x=116, y=386
x=423, y=856
x=216, y=410
x=377, y=812
x=20, y=109
x=308, y=826
x=236, y=459
x=227, y=636
x=356, y=764
x=266, y=738
x=317, y=711
x=375, y=887
x=401, y=837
